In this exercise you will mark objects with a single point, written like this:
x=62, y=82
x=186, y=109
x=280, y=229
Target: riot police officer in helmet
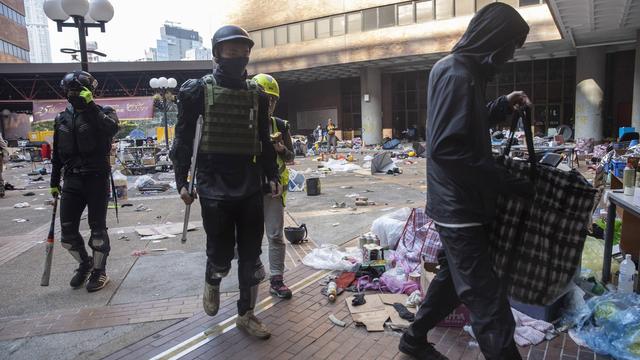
x=231, y=163
x=82, y=138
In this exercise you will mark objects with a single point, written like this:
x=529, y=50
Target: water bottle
x=627, y=275
x=332, y=290
x=629, y=179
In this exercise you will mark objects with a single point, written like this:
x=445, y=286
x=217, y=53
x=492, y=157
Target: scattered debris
x=335, y=320
x=19, y=220
x=21, y=205
x=124, y=237
x=141, y=208
x=338, y=205
x=358, y=299
x=157, y=237
x=139, y=253
x=346, y=187
x=352, y=195
x=39, y=208
x=158, y=249
x=335, y=224
x=30, y=193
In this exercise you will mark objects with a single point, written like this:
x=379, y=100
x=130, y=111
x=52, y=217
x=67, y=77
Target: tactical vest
x=76, y=135
x=230, y=120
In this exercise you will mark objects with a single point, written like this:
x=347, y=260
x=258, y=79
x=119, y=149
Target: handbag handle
x=523, y=113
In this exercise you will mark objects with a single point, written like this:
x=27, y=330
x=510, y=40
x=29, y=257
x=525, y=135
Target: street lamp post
x=163, y=84
x=85, y=15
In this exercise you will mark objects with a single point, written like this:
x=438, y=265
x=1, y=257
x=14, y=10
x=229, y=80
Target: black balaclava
x=232, y=71
x=77, y=102
x=492, y=36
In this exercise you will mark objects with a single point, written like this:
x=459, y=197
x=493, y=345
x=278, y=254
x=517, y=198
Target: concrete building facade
x=38, y=29
x=366, y=62
x=14, y=39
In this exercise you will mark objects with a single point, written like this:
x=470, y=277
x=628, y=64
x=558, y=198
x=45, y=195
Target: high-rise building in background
x=14, y=39
x=91, y=45
x=173, y=43
x=201, y=53
x=38, y=29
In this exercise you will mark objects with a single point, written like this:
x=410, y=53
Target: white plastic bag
x=389, y=227
x=144, y=180
x=328, y=257
x=296, y=181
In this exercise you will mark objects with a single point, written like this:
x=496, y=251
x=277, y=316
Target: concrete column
x=590, y=77
x=635, y=111
x=371, y=100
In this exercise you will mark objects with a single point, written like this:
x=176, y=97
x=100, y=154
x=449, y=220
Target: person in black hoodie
x=235, y=154
x=463, y=182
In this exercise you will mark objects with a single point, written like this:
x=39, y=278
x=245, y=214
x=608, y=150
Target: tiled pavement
x=301, y=330
x=60, y=321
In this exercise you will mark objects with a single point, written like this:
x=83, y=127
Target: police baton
x=192, y=174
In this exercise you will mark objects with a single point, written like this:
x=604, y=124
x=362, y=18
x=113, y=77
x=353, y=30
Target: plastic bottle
x=332, y=290
x=120, y=183
x=627, y=275
x=629, y=179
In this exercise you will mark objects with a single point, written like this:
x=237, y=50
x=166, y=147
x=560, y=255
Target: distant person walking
x=331, y=136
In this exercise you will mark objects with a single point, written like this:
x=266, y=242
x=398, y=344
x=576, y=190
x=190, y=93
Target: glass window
x=337, y=25
x=354, y=22
x=257, y=39
x=323, y=28
x=308, y=30
x=465, y=7
x=405, y=14
x=281, y=35
x=513, y=3
x=529, y=2
x=370, y=19
x=295, y=35
x=387, y=16
x=268, y=38
x=444, y=9
x=424, y=11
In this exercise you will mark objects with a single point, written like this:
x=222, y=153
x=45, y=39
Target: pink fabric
x=418, y=238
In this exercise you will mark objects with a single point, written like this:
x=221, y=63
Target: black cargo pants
x=466, y=276
x=230, y=224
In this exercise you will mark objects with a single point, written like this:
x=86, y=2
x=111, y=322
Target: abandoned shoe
x=211, y=299
x=252, y=325
x=97, y=280
x=278, y=288
x=82, y=274
x=422, y=350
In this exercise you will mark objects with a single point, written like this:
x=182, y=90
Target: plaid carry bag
x=536, y=244
x=419, y=239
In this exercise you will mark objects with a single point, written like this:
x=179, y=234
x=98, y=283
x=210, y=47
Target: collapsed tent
x=381, y=162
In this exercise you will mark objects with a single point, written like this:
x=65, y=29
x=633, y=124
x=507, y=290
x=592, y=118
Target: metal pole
x=608, y=241
x=166, y=123
x=79, y=20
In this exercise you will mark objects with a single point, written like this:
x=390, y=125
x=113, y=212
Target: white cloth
x=529, y=331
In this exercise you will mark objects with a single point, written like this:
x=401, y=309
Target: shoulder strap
x=209, y=83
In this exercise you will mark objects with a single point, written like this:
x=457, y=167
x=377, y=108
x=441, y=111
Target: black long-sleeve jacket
x=220, y=177
x=463, y=180
x=93, y=129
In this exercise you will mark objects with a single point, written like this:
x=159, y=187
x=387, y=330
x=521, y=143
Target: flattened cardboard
x=373, y=303
x=372, y=320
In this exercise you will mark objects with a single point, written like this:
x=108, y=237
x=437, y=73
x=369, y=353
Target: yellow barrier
x=160, y=133
x=44, y=135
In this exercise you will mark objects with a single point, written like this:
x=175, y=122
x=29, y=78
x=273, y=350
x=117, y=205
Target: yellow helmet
x=267, y=84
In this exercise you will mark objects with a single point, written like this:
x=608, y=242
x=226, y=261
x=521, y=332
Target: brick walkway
x=60, y=321
x=301, y=330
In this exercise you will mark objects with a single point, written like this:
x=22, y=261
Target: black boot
x=419, y=349
x=82, y=273
x=98, y=280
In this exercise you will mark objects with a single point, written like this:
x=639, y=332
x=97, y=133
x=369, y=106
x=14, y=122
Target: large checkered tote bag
x=536, y=244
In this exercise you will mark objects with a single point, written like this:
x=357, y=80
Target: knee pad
x=250, y=273
x=99, y=241
x=69, y=235
x=215, y=272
